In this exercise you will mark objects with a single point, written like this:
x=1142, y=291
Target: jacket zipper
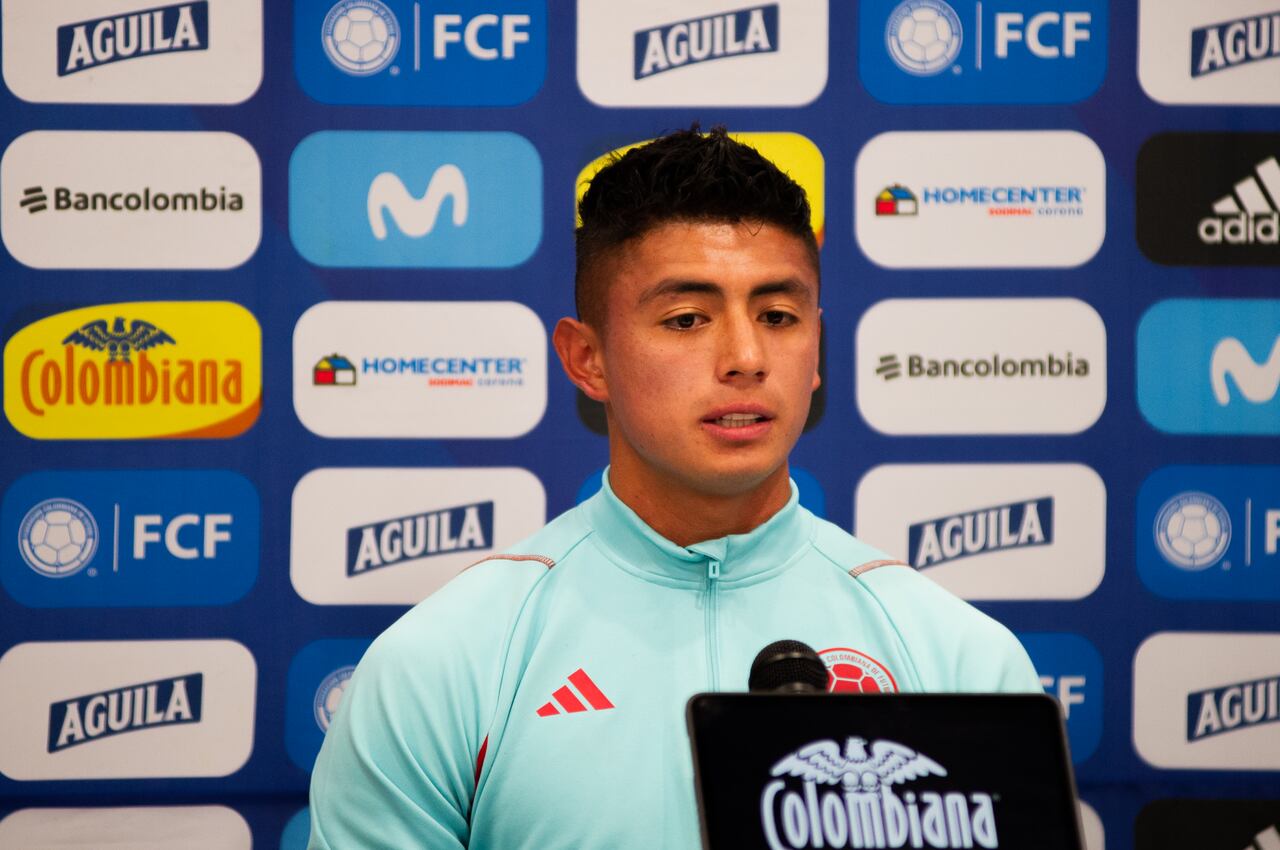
x=713, y=638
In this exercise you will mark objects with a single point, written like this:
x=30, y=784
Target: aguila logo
x=846, y=798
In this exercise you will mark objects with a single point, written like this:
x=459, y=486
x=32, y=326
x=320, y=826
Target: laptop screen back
x=924, y=770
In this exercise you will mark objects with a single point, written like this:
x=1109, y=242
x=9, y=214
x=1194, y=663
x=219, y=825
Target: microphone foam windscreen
x=787, y=663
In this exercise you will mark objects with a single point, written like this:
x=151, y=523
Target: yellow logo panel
x=793, y=153
x=142, y=369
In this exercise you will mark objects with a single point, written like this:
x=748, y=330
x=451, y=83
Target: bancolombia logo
x=990, y=531
x=1224, y=206
x=130, y=200
x=714, y=52
x=1194, y=52
x=794, y=154
x=394, y=536
x=1208, y=700
x=425, y=369
x=981, y=366
x=863, y=809
x=126, y=709
x=1210, y=366
x=988, y=199
x=101, y=52
x=145, y=369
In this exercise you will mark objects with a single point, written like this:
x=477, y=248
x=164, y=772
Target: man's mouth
x=738, y=420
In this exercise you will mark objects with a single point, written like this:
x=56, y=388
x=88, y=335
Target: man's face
x=709, y=353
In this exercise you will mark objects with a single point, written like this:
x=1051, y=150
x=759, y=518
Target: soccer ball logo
x=329, y=695
x=1193, y=531
x=361, y=37
x=58, y=538
x=852, y=672
x=923, y=36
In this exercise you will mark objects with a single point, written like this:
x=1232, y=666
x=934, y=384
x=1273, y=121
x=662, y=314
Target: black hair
x=686, y=175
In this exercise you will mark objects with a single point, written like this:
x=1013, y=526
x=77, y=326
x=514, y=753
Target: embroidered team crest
x=853, y=672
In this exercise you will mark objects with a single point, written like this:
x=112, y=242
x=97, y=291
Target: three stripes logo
x=1250, y=214
x=890, y=367
x=34, y=200
x=570, y=700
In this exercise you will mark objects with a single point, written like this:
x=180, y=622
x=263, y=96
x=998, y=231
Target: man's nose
x=742, y=350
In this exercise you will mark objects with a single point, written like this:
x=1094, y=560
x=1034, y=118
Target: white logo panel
x=981, y=366
x=990, y=531
x=983, y=199
x=139, y=827
x=381, y=536
x=130, y=200
x=1217, y=54
x=126, y=709
x=1208, y=701
x=706, y=52
x=132, y=51
x=420, y=369
x=1095, y=837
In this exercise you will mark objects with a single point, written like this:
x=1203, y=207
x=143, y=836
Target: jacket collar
x=633, y=545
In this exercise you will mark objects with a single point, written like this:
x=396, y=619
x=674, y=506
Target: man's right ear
x=578, y=346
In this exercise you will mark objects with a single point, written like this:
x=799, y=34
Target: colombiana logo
x=924, y=36
x=1193, y=530
x=81, y=375
x=329, y=695
x=852, y=672
x=360, y=37
x=58, y=538
x=846, y=798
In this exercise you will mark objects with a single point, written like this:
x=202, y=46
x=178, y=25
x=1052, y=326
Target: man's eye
x=683, y=322
x=777, y=317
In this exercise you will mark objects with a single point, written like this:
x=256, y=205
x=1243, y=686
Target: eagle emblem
x=116, y=341
x=888, y=762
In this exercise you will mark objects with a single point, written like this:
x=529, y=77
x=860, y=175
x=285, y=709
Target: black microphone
x=787, y=667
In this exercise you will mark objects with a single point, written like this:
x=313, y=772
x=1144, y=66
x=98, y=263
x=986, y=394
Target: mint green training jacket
x=537, y=700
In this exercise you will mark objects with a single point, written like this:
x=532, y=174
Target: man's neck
x=686, y=516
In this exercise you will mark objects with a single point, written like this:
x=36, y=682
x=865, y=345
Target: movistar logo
x=416, y=217
x=1257, y=382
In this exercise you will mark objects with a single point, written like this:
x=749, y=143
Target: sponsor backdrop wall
x=278, y=284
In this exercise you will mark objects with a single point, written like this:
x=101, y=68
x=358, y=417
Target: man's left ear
x=817, y=378
x=578, y=346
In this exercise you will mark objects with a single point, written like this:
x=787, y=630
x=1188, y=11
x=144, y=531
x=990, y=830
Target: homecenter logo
x=981, y=366
x=990, y=531
x=1195, y=52
x=374, y=536
x=122, y=200
x=166, y=29
x=987, y=199
x=677, y=45
x=127, y=709
x=1210, y=366
x=795, y=155
x=1208, y=700
x=425, y=369
x=132, y=51
x=702, y=52
x=158, y=369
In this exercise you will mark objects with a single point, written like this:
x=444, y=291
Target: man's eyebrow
x=787, y=286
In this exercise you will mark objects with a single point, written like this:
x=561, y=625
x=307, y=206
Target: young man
x=537, y=701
